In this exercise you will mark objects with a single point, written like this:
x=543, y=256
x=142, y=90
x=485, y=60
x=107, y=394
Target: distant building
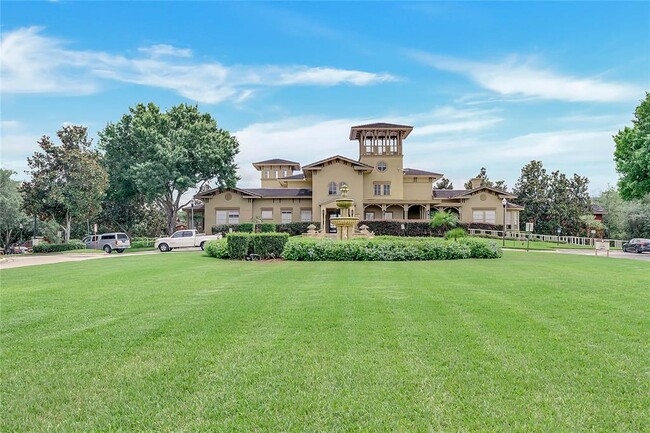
x=378, y=182
x=598, y=212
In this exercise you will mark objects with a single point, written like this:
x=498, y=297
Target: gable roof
x=597, y=209
x=263, y=192
x=277, y=161
x=498, y=191
x=458, y=193
x=448, y=193
x=416, y=172
x=355, y=164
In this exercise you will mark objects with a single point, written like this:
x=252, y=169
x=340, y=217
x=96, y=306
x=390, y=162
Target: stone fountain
x=346, y=222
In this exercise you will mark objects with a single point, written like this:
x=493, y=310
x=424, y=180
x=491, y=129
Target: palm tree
x=444, y=220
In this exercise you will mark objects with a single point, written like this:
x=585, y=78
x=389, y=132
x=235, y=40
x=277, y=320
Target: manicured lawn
x=183, y=342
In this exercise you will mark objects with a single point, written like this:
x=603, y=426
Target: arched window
x=331, y=188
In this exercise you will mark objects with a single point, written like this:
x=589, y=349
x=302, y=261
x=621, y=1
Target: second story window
x=387, y=189
x=377, y=189
x=331, y=188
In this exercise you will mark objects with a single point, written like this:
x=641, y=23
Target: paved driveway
x=18, y=261
x=616, y=254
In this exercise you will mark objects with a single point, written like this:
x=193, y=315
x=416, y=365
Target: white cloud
x=10, y=124
x=33, y=63
x=516, y=77
x=161, y=50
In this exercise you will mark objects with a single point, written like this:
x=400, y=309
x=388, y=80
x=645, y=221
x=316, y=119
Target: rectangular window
x=377, y=189
x=227, y=216
x=388, y=215
x=267, y=174
x=267, y=214
x=484, y=216
x=284, y=173
x=387, y=189
x=370, y=216
x=286, y=216
x=305, y=215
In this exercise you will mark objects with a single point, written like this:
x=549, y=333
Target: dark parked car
x=637, y=246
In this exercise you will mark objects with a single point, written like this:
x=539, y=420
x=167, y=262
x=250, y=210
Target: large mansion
x=382, y=188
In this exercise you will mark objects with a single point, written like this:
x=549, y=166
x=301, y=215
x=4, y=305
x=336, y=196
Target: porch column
x=406, y=211
x=383, y=211
x=427, y=211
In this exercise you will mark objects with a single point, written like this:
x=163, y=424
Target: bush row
x=243, y=228
x=294, y=229
x=417, y=228
x=55, y=248
x=238, y=245
x=389, y=249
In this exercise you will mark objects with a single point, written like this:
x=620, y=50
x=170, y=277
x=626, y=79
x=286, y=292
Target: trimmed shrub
x=266, y=227
x=224, y=228
x=482, y=248
x=217, y=249
x=238, y=245
x=456, y=233
x=56, y=248
x=269, y=245
x=387, y=249
x=296, y=229
x=245, y=227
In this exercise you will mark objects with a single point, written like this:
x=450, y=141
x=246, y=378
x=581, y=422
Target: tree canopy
x=553, y=200
x=485, y=181
x=632, y=154
x=11, y=207
x=444, y=183
x=161, y=155
x=68, y=181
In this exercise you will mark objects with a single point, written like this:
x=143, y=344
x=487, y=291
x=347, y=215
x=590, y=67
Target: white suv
x=108, y=242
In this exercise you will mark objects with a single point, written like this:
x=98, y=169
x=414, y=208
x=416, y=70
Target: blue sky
x=483, y=84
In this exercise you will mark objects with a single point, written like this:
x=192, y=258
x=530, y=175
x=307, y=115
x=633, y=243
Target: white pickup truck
x=184, y=239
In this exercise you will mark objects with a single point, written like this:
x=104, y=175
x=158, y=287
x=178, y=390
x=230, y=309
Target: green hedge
x=266, y=227
x=388, y=249
x=266, y=245
x=269, y=245
x=296, y=229
x=217, y=249
x=238, y=245
x=56, y=248
x=416, y=228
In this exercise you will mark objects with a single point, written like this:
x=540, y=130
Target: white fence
x=571, y=240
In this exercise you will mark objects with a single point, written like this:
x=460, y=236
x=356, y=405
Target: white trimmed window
x=387, y=189
x=287, y=215
x=305, y=215
x=484, y=216
x=388, y=215
x=331, y=188
x=267, y=214
x=377, y=189
x=227, y=216
x=370, y=216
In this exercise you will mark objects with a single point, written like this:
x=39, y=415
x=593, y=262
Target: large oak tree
x=632, y=154
x=161, y=155
x=68, y=181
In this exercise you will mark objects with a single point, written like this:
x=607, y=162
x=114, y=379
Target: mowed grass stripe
x=183, y=342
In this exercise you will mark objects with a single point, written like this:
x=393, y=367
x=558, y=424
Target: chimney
x=476, y=182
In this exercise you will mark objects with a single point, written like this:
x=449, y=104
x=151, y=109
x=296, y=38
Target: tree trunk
x=7, y=238
x=66, y=229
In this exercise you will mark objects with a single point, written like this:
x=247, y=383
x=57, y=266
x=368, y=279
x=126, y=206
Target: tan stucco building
x=380, y=185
